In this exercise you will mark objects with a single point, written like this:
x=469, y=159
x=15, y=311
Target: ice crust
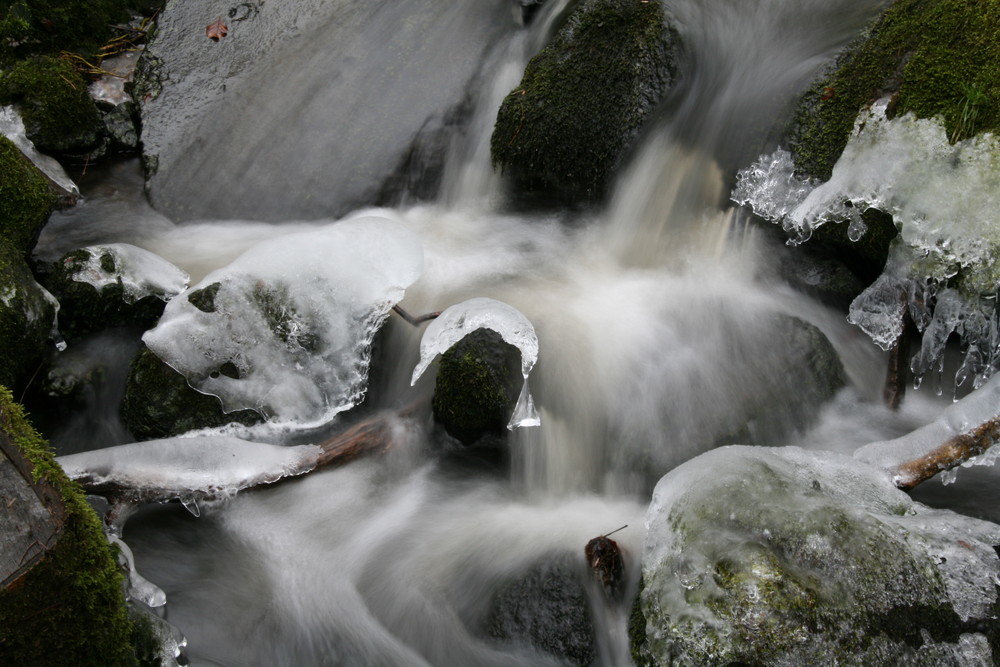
x=461, y=319
x=140, y=272
x=289, y=330
x=785, y=494
x=944, y=199
x=12, y=127
x=214, y=467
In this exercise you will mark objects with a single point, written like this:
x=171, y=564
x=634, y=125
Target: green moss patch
x=581, y=102
x=70, y=608
x=939, y=58
x=25, y=199
x=48, y=26
x=51, y=96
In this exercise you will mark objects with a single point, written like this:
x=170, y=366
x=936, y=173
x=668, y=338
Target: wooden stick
x=951, y=454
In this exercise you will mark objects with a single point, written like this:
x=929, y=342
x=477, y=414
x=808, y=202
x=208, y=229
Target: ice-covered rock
x=459, y=320
x=286, y=329
x=944, y=199
x=782, y=556
x=139, y=272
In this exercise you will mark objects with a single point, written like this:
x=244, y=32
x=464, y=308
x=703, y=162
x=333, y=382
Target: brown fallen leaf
x=217, y=30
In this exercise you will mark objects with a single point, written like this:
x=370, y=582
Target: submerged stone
x=788, y=557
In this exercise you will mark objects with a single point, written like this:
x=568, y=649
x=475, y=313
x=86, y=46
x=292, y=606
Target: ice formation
x=140, y=272
x=819, y=544
x=944, y=199
x=286, y=328
x=206, y=467
x=12, y=127
x=457, y=321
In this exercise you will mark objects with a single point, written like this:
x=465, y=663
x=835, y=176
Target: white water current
x=662, y=332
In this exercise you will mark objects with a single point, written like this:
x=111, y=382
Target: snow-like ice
x=210, y=467
x=286, y=329
x=140, y=272
x=458, y=321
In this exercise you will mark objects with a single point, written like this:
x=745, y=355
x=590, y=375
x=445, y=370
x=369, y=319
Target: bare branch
x=951, y=454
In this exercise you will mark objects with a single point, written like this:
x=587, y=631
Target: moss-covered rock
x=69, y=609
x=27, y=319
x=939, y=58
x=85, y=308
x=51, y=96
x=583, y=98
x=477, y=386
x=50, y=26
x=25, y=200
x=782, y=556
x=159, y=403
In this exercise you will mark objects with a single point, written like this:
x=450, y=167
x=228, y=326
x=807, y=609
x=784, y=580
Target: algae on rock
x=583, y=99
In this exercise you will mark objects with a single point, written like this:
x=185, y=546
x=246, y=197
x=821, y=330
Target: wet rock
x=159, y=403
x=477, y=386
x=783, y=556
x=25, y=200
x=568, y=125
x=378, y=78
x=548, y=609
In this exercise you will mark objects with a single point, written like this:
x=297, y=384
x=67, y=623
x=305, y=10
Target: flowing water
x=656, y=318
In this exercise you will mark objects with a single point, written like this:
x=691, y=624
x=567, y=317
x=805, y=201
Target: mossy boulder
x=477, y=386
x=159, y=403
x=50, y=26
x=936, y=59
x=783, y=556
x=51, y=96
x=25, y=200
x=69, y=608
x=583, y=99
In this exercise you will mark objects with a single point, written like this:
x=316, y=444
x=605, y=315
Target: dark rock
x=27, y=320
x=477, y=386
x=569, y=124
x=159, y=403
x=548, y=609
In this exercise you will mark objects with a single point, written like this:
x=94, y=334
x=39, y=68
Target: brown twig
x=952, y=453
x=414, y=321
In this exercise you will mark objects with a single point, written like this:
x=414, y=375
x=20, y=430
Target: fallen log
x=206, y=468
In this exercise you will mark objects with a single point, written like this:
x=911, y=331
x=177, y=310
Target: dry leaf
x=217, y=30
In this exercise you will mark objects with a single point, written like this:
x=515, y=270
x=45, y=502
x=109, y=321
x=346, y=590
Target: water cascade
x=661, y=326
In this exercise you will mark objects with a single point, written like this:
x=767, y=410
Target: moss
x=70, y=608
x=25, y=199
x=159, y=402
x=50, y=26
x=26, y=319
x=940, y=58
x=583, y=98
x=637, y=630
x=477, y=385
x=51, y=96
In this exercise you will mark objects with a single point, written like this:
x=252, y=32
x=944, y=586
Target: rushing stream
x=656, y=319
